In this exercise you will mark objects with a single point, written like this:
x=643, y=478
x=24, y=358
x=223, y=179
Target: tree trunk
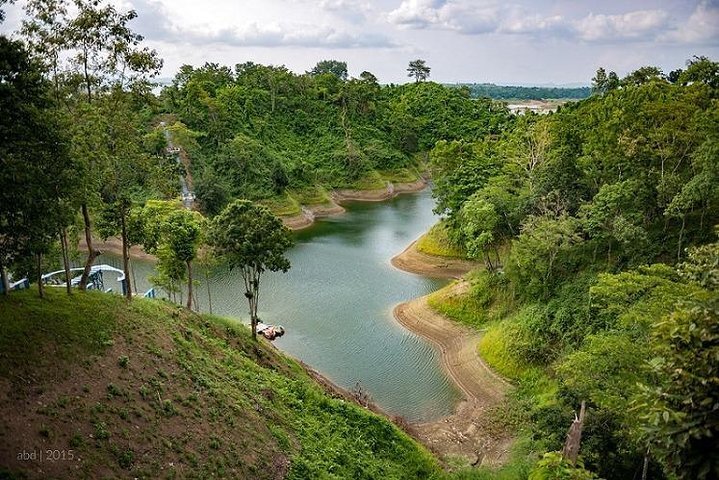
x=209, y=294
x=681, y=237
x=189, y=285
x=126, y=258
x=645, y=467
x=574, y=437
x=499, y=260
x=66, y=260
x=87, y=74
x=488, y=261
x=40, y=286
x=91, y=252
x=5, y=282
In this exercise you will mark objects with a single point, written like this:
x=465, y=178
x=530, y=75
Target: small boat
x=270, y=332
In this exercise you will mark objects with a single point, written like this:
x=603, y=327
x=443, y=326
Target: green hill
x=149, y=390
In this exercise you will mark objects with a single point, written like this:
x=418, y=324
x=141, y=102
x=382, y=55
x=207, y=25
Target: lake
x=336, y=305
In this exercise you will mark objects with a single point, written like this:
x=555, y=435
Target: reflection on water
x=336, y=305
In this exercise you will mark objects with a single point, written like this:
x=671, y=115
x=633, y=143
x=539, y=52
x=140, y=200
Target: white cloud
x=353, y=10
x=416, y=13
x=637, y=25
x=701, y=27
x=156, y=21
x=482, y=17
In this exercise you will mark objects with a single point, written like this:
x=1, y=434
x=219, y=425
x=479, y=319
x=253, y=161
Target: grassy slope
x=436, y=242
x=149, y=390
x=489, y=306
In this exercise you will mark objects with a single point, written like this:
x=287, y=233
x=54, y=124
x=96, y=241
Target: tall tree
x=35, y=170
x=599, y=82
x=419, y=70
x=182, y=233
x=334, y=67
x=250, y=238
x=103, y=53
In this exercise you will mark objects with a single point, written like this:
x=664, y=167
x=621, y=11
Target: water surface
x=336, y=304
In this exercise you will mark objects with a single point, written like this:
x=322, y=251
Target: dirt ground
x=413, y=261
x=378, y=195
x=467, y=433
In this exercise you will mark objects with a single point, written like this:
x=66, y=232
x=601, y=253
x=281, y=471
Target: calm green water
x=336, y=304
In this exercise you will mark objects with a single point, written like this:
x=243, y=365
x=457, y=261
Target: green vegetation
x=503, y=92
x=250, y=238
x=209, y=400
x=608, y=289
x=596, y=225
x=263, y=130
x=437, y=242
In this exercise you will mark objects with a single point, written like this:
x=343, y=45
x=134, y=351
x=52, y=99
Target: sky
x=522, y=42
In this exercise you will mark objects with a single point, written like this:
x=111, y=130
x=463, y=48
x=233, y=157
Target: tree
x=35, y=170
x=212, y=192
x=103, y=54
x=643, y=75
x=419, y=70
x=553, y=466
x=333, y=67
x=368, y=77
x=479, y=221
x=599, y=82
x=182, y=232
x=540, y=256
x=681, y=415
x=248, y=237
x=701, y=69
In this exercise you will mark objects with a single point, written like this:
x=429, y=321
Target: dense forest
x=259, y=131
x=511, y=92
x=597, y=226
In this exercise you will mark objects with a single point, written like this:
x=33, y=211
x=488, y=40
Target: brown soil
x=114, y=245
x=58, y=405
x=378, y=195
x=413, y=261
x=310, y=213
x=469, y=432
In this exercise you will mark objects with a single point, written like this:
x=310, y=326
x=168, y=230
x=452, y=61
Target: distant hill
x=506, y=92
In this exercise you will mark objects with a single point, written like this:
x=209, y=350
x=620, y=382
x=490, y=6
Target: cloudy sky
x=505, y=42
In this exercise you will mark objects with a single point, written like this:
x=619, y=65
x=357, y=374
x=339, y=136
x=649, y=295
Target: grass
x=283, y=205
x=196, y=398
x=311, y=196
x=437, y=242
x=400, y=175
x=484, y=302
x=489, y=305
x=372, y=181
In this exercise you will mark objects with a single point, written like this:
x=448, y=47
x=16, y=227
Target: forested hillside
x=511, y=92
x=259, y=130
x=597, y=226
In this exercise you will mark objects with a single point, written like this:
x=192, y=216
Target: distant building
x=522, y=108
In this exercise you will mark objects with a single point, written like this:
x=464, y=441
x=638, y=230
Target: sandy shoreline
x=378, y=195
x=413, y=261
x=333, y=207
x=468, y=432
x=113, y=245
x=310, y=213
